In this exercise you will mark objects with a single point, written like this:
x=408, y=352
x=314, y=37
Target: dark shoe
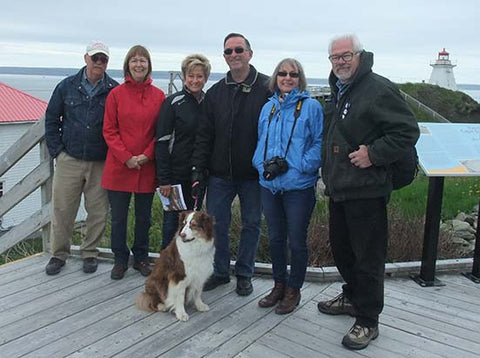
x=277, y=294
x=338, y=305
x=359, y=336
x=289, y=302
x=244, y=286
x=90, y=265
x=54, y=266
x=118, y=271
x=215, y=281
x=143, y=267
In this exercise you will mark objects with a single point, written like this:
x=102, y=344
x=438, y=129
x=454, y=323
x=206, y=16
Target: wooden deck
x=88, y=315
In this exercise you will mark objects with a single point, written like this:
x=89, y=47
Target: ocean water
x=42, y=86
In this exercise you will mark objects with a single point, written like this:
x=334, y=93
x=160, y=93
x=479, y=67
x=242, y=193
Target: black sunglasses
x=229, y=51
x=97, y=57
x=291, y=74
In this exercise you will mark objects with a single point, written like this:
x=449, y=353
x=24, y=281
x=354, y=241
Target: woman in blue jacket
x=288, y=158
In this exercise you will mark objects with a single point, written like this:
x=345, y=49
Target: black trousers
x=359, y=238
x=119, y=206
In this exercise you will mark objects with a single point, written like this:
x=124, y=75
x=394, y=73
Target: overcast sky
x=405, y=36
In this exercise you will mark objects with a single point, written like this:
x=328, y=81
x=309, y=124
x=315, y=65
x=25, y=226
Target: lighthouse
x=442, y=72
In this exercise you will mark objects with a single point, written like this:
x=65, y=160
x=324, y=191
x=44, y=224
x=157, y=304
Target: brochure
x=175, y=201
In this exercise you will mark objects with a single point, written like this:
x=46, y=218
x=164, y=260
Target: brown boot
x=277, y=293
x=289, y=302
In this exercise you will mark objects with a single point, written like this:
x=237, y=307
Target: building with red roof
x=18, y=106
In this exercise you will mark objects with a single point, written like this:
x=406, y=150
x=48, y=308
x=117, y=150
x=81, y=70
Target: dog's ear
x=207, y=224
x=182, y=216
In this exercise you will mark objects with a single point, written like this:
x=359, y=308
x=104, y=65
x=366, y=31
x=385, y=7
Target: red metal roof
x=18, y=106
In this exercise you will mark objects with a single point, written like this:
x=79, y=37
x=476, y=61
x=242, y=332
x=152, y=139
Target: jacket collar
x=108, y=82
x=249, y=81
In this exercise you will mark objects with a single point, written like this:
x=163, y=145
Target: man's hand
x=360, y=157
x=198, y=184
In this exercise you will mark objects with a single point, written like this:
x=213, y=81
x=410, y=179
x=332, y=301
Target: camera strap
x=298, y=109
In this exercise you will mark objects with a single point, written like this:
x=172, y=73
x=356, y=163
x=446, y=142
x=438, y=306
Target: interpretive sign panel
x=449, y=149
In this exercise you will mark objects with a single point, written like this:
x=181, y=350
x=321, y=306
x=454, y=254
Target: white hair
x=357, y=45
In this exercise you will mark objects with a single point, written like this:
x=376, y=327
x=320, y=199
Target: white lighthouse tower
x=442, y=72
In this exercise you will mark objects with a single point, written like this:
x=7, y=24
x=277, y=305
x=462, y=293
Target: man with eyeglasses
x=367, y=127
x=225, y=143
x=73, y=133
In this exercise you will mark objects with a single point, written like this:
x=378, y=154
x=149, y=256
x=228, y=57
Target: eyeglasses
x=291, y=74
x=98, y=57
x=229, y=51
x=142, y=61
x=347, y=57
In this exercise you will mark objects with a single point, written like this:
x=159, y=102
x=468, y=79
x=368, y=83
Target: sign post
x=445, y=149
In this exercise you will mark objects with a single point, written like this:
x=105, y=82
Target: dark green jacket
x=373, y=113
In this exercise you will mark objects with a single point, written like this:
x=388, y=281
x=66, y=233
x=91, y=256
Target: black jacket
x=74, y=120
x=227, y=135
x=176, y=128
x=373, y=113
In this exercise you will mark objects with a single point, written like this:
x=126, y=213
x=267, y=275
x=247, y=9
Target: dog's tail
x=146, y=302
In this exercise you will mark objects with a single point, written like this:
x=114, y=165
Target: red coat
x=131, y=112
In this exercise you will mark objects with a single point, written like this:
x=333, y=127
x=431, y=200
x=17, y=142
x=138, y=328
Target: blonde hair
x=196, y=60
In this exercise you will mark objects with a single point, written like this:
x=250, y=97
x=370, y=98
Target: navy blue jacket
x=74, y=120
x=227, y=131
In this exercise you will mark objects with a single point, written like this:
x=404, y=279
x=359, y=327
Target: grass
x=406, y=221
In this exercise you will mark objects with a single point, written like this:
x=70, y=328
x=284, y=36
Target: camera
x=272, y=168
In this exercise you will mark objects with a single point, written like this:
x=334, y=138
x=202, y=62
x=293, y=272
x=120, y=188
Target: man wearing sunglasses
x=73, y=132
x=225, y=143
x=367, y=127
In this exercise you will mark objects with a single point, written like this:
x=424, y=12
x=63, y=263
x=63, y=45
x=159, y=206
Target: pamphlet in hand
x=175, y=201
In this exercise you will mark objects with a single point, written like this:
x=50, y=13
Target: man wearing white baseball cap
x=73, y=132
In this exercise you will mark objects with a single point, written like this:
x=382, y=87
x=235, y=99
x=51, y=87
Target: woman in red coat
x=131, y=111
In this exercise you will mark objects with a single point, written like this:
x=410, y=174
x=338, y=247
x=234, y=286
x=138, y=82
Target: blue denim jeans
x=220, y=195
x=288, y=215
x=119, y=205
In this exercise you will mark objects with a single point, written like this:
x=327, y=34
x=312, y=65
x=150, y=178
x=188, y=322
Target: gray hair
x=302, y=80
x=357, y=45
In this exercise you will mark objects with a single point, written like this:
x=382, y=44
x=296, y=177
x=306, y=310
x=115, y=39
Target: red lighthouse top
x=443, y=55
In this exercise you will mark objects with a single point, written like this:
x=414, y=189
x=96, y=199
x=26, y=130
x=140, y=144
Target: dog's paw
x=161, y=307
x=182, y=316
x=202, y=307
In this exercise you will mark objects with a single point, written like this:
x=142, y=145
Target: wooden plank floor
x=75, y=314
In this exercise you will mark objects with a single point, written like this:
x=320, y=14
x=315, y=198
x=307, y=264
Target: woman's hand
x=132, y=163
x=165, y=190
x=142, y=159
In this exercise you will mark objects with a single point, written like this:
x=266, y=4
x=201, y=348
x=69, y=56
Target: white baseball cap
x=97, y=47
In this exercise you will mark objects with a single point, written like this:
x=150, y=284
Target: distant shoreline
x=214, y=76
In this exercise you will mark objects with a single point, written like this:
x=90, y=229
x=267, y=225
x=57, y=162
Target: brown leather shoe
x=143, y=267
x=277, y=293
x=118, y=271
x=289, y=302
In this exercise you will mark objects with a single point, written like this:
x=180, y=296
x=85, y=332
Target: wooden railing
x=41, y=177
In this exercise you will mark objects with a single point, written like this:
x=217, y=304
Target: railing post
x=475, y=274
x=430, y=238
x=46, y=193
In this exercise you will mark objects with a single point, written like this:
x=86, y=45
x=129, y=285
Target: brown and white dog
x=182, y=268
